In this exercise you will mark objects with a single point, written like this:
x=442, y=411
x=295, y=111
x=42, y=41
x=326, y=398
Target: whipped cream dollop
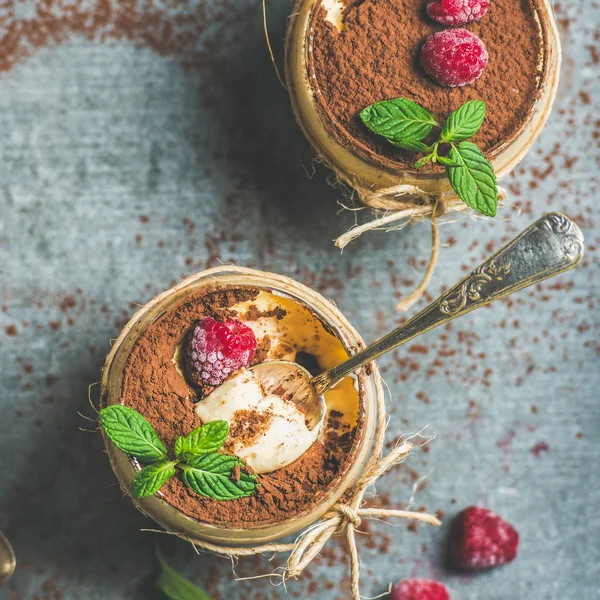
x=265, y=430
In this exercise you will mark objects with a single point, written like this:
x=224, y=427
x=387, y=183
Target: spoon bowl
x=8, y=561
x=548, y=247
x=293, y=383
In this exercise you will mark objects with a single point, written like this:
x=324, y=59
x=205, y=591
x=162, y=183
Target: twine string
x=398, y=205
x=269, y=47
x=405, y=304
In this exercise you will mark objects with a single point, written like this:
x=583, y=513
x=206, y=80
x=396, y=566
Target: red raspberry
x=480, y=539
x=215, y=350
x=454, y=13
x=454, y=57
x=419, y=589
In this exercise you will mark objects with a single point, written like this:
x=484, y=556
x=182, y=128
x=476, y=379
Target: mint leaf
x=151, y=478
x=412, y=145
x=176, y=587
x=131, y=433
x=474, y=180
x=399, y=120
x=464, y=122
x=206, y=439
x=210, y=476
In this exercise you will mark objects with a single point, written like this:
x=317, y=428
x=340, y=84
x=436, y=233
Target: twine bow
x=346, y=518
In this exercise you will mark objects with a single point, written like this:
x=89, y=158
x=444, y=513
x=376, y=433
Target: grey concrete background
x=126, y=164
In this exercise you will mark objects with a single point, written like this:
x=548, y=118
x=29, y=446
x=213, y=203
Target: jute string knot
x=346, y=517
x=349, y=515
x=399, y=203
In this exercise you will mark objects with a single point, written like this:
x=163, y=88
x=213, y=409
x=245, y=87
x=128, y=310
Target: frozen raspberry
x=480, y=539
x=419, y=589
x=454, y=13
x=215, y=350
x=454, y=57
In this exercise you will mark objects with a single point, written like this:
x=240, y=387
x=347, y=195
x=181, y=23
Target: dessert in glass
x=344, y=55
x=161, y=368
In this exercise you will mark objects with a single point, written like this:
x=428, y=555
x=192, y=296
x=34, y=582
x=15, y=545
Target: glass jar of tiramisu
x=344, y=55
x=150, y=370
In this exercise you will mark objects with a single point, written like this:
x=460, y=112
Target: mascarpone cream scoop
x=266, y=431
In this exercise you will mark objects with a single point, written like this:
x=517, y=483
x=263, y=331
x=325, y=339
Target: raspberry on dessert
x=454, y=13
x=480, y=539
x=215, y=350
x=419, y=589
x=454, y=57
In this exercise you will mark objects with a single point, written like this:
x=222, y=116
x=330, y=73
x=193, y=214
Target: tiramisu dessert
x=430, y=94
x=223, y=450
x=363, y=52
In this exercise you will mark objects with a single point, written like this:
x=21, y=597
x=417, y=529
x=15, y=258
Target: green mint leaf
x=399, y=120
x=423, y=161
x=176, y=587
x=131, y=433
x=204, y=440
x=444, y=160
x=151, y=478
x=412, y=145
x=464, y=122
x=210, y=476
x=474, y=180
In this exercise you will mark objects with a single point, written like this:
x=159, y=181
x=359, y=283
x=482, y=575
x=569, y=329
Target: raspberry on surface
x=215, y=350
x=454, y=57
x=455, y=13
x=419, y=589
x=480, y=539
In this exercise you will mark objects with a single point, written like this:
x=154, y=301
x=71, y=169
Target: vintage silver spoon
x=551, y=245
x=7, y=559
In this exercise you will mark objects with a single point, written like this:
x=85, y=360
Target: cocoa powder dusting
x=153, y=386
x=247, y=426
x=376, y=57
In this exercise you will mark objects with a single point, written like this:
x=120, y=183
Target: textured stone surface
x=125, y=165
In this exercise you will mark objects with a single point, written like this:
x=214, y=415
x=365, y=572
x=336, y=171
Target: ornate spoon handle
x=549, y=246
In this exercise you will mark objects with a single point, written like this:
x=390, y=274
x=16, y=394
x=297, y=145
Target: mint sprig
x=464, y=122
x=406, y=124
x=204, y=470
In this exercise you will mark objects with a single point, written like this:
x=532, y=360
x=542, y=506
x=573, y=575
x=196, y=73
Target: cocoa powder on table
x=376, y=57
x=153, y=387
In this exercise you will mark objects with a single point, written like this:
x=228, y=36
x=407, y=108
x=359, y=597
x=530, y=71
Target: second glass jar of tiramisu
x=344, y=55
